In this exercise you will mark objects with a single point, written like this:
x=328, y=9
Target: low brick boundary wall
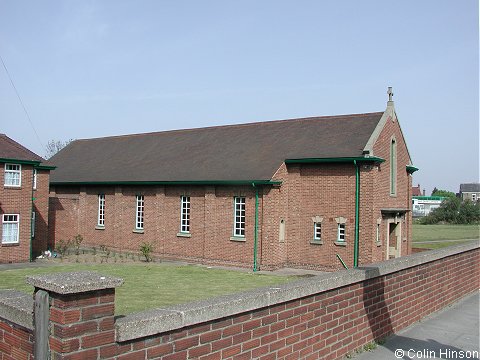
x=324, y=317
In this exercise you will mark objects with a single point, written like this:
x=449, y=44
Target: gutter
x=195, y=182
x=371, y=159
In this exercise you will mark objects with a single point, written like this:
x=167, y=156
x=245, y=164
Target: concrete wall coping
x=151, y=322
x=73, y=282
x=17, y=308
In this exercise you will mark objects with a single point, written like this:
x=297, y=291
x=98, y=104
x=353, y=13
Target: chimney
x=423, y=192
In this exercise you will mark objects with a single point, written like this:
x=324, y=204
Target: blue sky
x=98, y=68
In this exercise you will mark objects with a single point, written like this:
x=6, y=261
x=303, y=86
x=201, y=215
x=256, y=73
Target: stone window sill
x=378, y=243
x=340, y=243
x=184, y=234
x=316, y=242
x=138, y=231
x=100, y=227
x=11, y=244
x=238, y=239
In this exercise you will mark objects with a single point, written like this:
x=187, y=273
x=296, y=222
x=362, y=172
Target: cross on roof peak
x=390, y=93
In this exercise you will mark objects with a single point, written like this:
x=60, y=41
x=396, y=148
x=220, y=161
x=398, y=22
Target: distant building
x=470, y=192
x=23, y=202
x=423, y=205
x=417, y=191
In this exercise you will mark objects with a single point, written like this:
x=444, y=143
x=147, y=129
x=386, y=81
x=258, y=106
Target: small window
x=185, y=214
x=13, y=175
x=10, y=228
x=317, y=231
x=239, y=219
x=34, y=179
x=101, y=210
x=474, y=197
x=341, y=233
x=140, y=212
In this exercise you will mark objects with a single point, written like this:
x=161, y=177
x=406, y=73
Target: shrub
x=146, y=249
x=62, y=247
x=77, y=241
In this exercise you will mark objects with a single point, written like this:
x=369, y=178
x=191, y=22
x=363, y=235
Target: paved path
x=448, y=334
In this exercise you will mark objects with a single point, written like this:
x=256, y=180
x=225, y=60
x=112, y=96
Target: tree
x=54, y=146
x=469, y=212
x=444, y=193
x=454, y=211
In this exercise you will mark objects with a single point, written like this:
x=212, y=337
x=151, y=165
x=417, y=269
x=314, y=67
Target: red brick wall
x=327, y=325
x=16, y=343
x=40, y=205
x=74, y=211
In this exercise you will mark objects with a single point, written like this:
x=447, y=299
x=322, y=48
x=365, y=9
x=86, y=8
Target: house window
x=10, y=228
x=239, y=219
x=393, y=167
x=140, y=212
x=34, y=179
x=101, y=210
x=33, y=223
x=317, y=231
x=13, y=175
x=185, y=214
x=341, y=233
x=474, y=197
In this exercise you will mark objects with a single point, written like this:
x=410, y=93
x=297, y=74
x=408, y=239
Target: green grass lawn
x=444, y=232
x=148, y=286
x=429, y=235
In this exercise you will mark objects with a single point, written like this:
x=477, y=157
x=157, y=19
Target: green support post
x=255, y=237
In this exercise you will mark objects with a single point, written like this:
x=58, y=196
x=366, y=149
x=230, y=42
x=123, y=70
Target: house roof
x=416, y=190
x=473, y=187
x=12, y=150
x=244, y=152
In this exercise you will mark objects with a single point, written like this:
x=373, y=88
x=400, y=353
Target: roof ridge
x=267, y=122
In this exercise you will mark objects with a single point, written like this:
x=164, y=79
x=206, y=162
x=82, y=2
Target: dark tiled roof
x=473, y=187
x=224, y=153
x=10, y=149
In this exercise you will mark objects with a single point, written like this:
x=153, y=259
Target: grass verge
x=444, y=232
x=148, y=286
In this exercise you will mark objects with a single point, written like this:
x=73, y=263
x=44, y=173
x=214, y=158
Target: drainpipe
x=357, y=211
x=31, y=226
x=255, y=236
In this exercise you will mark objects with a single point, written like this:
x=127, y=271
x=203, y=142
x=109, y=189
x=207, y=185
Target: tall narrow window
x=140, y=212
x=393, y=167
x=185, y=214
x=101, y=210
x=34, y=216
x=34, y=179
x=317, y=231
x=239, y=219
x=341, y=233
x=13, y=175
x=10, y=228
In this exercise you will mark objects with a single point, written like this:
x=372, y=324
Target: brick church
x=307, y=193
